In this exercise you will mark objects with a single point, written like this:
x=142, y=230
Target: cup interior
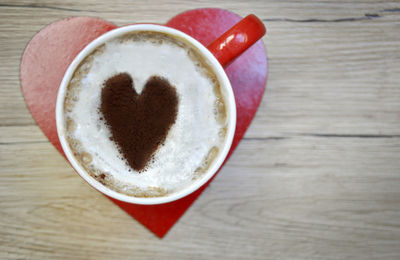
x=227, y=94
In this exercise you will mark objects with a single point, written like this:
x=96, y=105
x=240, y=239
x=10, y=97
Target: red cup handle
x=237, y=39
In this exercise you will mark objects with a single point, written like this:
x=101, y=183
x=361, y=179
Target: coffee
x=172, y=121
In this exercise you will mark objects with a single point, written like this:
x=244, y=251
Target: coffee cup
x=146, y=114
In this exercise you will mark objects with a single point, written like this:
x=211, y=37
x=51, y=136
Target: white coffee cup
x=226, y=90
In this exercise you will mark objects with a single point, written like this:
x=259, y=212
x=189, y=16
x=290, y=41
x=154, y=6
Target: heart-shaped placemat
x=48, y=54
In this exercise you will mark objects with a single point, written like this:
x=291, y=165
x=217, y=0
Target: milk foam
x=196, y=131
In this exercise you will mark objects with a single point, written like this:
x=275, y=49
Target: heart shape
x=49, y=53
x=139, y=124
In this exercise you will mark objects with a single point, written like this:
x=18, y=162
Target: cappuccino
x=195, y=115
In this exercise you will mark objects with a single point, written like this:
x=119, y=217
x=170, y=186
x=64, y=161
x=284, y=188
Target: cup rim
x=222, y=77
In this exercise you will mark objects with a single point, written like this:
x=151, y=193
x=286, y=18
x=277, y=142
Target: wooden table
x=317, y=175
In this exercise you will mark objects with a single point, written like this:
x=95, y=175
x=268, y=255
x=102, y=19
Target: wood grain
x=316, y=177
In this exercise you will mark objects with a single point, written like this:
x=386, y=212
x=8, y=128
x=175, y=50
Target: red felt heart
x=139, y=124
x=49, y=53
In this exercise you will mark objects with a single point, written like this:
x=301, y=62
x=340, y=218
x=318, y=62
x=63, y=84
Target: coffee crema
x=194, y=139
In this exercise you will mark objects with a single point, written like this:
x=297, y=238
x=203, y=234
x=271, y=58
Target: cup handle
x=237, y=39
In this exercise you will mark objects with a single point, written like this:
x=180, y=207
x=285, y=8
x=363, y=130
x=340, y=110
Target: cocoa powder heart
x=139, y=124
